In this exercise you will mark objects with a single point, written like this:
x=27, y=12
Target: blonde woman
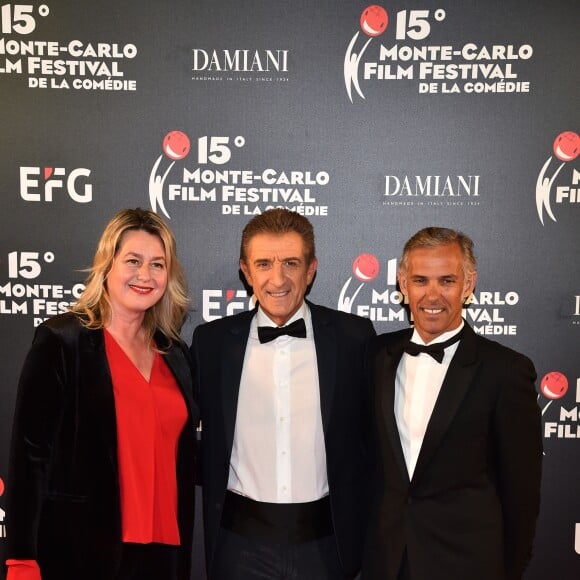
x=101, y=482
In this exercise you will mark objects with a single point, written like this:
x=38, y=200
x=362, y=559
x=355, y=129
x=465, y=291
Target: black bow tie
x=437, y=351
x=268, y=333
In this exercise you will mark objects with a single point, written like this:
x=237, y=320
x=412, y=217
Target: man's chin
x=279, y=316
x=429, y=331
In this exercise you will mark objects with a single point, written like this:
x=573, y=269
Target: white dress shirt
x=278, y=454
x=417, y=386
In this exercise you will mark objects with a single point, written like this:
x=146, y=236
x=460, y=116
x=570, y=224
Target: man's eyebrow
x=288, y=259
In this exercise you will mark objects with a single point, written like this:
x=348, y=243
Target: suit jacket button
x=409, y=500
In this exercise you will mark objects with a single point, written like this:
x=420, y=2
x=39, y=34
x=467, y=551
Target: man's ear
x=311, y=270
x=469, y=285
x=402, y=279
x=246, y=271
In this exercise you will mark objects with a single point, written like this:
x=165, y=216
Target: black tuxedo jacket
x=63, y=490
x=342, y=342
x=470, y=510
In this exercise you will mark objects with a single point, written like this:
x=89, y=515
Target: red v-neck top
x=150, y=418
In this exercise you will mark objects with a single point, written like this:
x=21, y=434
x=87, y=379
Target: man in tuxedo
x=458, y=433
x=284, y=402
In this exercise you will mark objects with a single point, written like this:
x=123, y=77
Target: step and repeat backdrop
x=372, y=120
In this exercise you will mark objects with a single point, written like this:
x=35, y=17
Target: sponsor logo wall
x=372, y=120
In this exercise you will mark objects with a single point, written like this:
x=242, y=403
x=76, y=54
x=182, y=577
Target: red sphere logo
x=176, y=145
x=567, y=146
x=1, y=486
x=554, y=385
x=374, y=20
x=365, y=267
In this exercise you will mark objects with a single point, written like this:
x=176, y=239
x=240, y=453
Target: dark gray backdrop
x=89, y=91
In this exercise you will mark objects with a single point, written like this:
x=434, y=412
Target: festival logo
x=27, y=293
x=488, y=312
x=373, y=22
x=566, y=149
x=59, y=65
x=208, y=177
x=380, y=305
x=176, y=146
x=560, y=419
x=458, y=66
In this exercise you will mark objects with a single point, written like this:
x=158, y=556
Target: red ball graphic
x=365, y=267
x=554, y=385
x=567, y=146
x=1, y=486
x=374, y=20
x=176, y=145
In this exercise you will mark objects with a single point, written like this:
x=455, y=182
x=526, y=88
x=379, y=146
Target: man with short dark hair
x=284, y=408
x=458, y=433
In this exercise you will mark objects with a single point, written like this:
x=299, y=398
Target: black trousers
x=247, y=558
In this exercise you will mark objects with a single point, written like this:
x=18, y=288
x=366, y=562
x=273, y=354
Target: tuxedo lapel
x=455, y=385
x=386, y=373
x=234, y=350
x=325, y=341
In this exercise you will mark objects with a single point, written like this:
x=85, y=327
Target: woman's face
x=138, y=277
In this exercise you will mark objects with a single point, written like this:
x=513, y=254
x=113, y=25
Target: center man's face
x=277, y=270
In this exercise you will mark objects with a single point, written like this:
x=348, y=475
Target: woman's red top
x=150, y=418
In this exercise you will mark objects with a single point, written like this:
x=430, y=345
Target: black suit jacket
x=341, y=341
x=63, y=504
x=470, y=510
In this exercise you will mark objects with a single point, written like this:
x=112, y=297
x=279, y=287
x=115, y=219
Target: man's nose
x=277, y=276
x=432, y=290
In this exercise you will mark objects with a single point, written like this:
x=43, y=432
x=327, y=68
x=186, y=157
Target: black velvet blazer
x=63, y=506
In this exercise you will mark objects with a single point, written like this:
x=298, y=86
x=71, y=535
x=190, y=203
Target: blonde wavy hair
x=168, y=314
